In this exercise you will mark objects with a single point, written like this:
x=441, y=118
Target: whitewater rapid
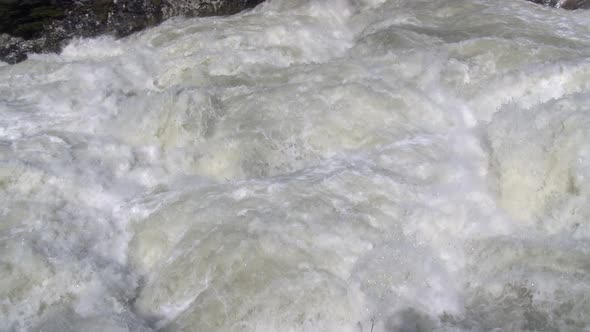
x=360, y=165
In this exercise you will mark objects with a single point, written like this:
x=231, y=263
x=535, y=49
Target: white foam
x=305, y=166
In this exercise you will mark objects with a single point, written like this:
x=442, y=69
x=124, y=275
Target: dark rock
x=13, y=49
x=36, y=26
x=565, y=4
x=28, y=19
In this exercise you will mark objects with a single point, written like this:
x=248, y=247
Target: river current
x=360, y=165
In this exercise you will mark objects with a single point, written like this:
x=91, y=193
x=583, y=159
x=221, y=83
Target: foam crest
x=305, y=166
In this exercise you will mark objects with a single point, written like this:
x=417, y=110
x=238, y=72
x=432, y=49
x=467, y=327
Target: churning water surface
x=311, y=165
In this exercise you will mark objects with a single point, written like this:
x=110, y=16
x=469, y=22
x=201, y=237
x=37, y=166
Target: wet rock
x=13, y=49
x=566, y=4
x=35, y=26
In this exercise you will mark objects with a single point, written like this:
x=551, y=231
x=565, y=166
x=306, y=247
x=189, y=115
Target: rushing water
x=311, y=165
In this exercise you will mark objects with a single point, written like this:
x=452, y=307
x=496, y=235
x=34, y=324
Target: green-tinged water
x=363, y=165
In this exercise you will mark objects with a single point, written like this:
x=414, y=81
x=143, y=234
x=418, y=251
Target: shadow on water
x=410, y=320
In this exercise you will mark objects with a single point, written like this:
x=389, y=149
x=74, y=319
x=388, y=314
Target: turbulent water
x=401, y=165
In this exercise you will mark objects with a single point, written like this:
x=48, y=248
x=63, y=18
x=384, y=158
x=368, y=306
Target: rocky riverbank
x=35, y=26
